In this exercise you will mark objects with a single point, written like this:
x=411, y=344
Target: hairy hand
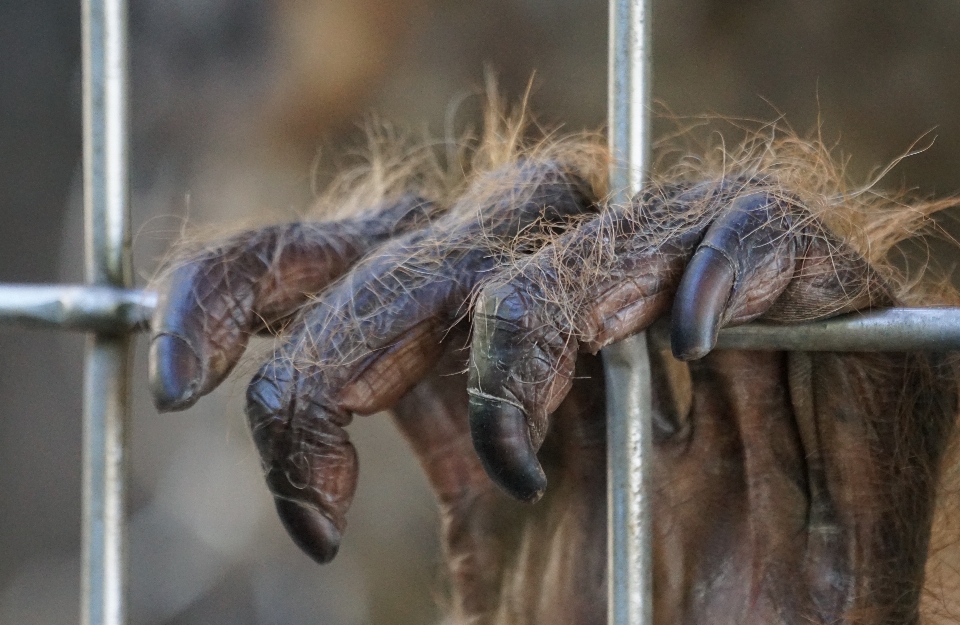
x=772, y=488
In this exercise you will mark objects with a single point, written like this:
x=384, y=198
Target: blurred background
x=233, y=101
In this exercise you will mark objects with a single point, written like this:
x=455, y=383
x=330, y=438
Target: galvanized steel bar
x=626, y=364
x=106, y=402
x=628, y=105
x=103, y=309
x=894, y=330
x=891, y=330
x=113, y=310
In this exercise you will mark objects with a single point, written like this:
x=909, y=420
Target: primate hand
x=789, y=488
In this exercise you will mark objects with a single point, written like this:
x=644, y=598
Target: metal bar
x=898, y=329
x=891, y=330
x=626, y=364
x=628, y=105
x=109, y=309
x=106, y=403
x=103, y=309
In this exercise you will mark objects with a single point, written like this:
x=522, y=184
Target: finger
x=766, y=256
x=310, y=464
x=370, y=338
x=608, y=279
x=216, y=300
x=746, y=259
x=521, y=366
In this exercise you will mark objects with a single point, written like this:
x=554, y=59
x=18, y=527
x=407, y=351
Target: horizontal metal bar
x=892, y=330
x=897, y=329
x=103, y=309
x=107, y=309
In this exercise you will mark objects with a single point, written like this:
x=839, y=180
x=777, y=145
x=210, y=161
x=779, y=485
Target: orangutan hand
x=758, y=516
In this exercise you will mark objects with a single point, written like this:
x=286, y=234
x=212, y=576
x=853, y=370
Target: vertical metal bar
x=626, y=364
x=628, y=105
x=106, y=394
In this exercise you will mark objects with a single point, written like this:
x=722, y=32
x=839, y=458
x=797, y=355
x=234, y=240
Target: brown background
x=232, y=101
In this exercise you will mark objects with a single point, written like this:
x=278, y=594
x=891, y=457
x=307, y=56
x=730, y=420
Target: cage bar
x=104, y=309
x=106, y=402
x=113, y=310
x=626, y=364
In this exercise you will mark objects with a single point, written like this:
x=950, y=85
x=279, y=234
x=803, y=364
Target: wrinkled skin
x=789, y=488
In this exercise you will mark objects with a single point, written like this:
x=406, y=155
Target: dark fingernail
x=502, y=440
x=175, y=373
x=699, y=304
x=310, y=530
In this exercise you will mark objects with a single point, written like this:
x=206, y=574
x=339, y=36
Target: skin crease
x=788, y=487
